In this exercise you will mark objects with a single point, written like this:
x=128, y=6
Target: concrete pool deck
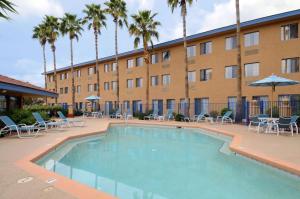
x=16, y=156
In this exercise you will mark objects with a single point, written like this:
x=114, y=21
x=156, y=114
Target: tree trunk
x=186, y=83
x=54, y=65
x=147, y=61
x=72, y=75
x=117, y=63
x=45, y=70
x=239, y=105
x=97, y=66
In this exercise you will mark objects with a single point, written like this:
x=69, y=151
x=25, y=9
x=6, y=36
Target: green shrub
x=21, y=116
x=179, y=117
x=224, y=110
x=140, y=116
x=78, y=113
x=214, y=114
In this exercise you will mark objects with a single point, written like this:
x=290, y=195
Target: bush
x=214, y=114
x=22, y=117
x=275, y=111
x=179, y=117
x=78, y=113
x=51, y=110
x=140, y=116
x=224, y=110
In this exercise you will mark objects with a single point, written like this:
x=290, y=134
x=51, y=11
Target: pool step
x=225, y=149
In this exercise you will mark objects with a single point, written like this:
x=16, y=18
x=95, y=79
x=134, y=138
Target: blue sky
x=21, y=56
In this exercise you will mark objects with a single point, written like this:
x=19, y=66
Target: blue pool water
x=140, y=162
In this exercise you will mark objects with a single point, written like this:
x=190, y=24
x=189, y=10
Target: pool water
x=142, y=162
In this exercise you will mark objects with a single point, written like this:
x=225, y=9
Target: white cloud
x=141, y=4
x=29, y=8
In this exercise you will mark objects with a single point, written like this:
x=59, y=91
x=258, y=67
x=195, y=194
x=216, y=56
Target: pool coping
x=83, y=191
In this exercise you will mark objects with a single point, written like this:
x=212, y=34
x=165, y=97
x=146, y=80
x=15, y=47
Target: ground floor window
x=3, y=104
x=171, y=104
x=232, y=104
x=137, y=106
x=13, y=103
x=261, y=104
x=126, y=106
x=157, y=106
x=201, y=106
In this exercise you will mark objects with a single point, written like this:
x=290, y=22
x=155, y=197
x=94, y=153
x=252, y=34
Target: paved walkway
x=284, y=150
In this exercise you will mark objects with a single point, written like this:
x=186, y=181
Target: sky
x=21, y=56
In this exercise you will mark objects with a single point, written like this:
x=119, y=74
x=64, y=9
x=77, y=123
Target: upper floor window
x=129, y=83
x=154, y=58
x=66, y=90
x=192, y=76
x=191, y=51
x=78, y=73
x=206, y=48
x=289, y=31
x=166, y=80
x=91, y=70
x=205, y=74
x=231, y=72
x=166, y=56
x=230, y=43
x=114, y=66
x=106, y=86
x=78, y=89
x=154, y=80
x=50, y=78
x=130, y=63
x=90, y=87
x=290, y=65
x=139, y=61
x=251, y=39
x=252, y=70
x=63, y=76
x=114, y=85
x=106, y=68
x=61, y=91
x=96, y=87
x=139, y=82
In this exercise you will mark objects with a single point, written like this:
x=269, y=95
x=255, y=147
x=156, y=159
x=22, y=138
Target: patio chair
x=257, y=124
x=70, y=122
x=21, y=129
x=40, y=122
x=287, y=124
x=153, y=115
x=169, y=115
x=128, y=115
x=225, y=118
x=114, y=114
x=199, y=118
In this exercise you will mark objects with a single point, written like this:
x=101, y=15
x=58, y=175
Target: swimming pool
x=145, y=162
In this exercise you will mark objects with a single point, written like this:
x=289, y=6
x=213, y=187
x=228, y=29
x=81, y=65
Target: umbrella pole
x=272, y=98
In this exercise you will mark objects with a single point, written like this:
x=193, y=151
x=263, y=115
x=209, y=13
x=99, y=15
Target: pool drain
x=50, y=181
x=25, y=180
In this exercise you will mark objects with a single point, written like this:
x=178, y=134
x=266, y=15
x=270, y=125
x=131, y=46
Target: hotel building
x=269, y=45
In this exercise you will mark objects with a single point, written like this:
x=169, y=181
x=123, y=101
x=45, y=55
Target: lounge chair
x=169, y=116
x=40, y=122
x=287, y=123
x=199, y=118
x=114, y=114
x=128, y=115
x=70, y=122
x=151, y=116
x=225, y=118
x=23, y=130
x=257, y=124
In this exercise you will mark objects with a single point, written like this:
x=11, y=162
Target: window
x=290, y=65
x=231, y=72
x=166, y=56
x=62, y=76
x=232, y=104
x=106, y=68
x=206, y=48
x=96, y=87
x=166, y=80
x=154, y=80
x=114, y=67
x=230, y=43
x=66, y=90
x=289, y=31
x=78, y=73
x=139, y=82
x=130, y=63
x=251, y=39
x=204, y=104
x=251, y=70
x=78, y=89
x=129, y=83
x=171, y=104
x=61, y=91
x=90, y=87
x=192, y=76
x=50, y=78
x=91, y=70
x=106, y=86
x=191, y=51
x=154, y=58
x=114, y=85
x=205, y=74
x=3, y=104
x=139, y=61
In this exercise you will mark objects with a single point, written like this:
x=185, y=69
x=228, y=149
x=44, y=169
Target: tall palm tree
x=52, y=25
x=95, y=17
x=72, y=26
x=238, y=117
x=183, y=5
x=117, y=9
x=40, y=33
x=144, y=27
x=5, y=7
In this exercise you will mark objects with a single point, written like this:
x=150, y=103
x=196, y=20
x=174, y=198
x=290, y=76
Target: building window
x=289, y=31
x=114, y=85
x=62, y=76
x=171, y=104
x=204, y=105
x=129, y=83
x=154, y=58
x=230, y=43
x=50, y=78
x=106, y=68
x=114, y=67
x=90, y=87
x=139, y=61
x=252, y=70
x=166, y=80
x=232, y=104
x=206, y=48
x=106, y=86
x=191, y=51
x=231, y=72
x=130, y=63
x=91, y=70
x=139, y=82
x=154, y=80
x=192, y=76
x=251, y=39
x=3, y=104
x=205, y=74
x=78, y=89
x=166, y=56
x=61, y=91
x=96, y=87
x=66, y=90
x=290, y=65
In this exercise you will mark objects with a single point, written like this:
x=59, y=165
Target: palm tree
x=6, y=6
x=183, y=5
x=117, y=9
x=95, y=16
x=238, y=117
x=52, y=25
x=40, y=33
x=144, y=27
x=72, y=26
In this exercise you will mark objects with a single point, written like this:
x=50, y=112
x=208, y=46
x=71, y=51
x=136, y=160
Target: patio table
x=271, y=121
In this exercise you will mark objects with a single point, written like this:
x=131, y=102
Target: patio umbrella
x=273, y=81
x=93, y=98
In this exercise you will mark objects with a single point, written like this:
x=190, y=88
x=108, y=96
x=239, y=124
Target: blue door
x=197, y=106
x=160, y=107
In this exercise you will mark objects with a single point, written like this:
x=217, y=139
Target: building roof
x=10, y=84
x=230, y=28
